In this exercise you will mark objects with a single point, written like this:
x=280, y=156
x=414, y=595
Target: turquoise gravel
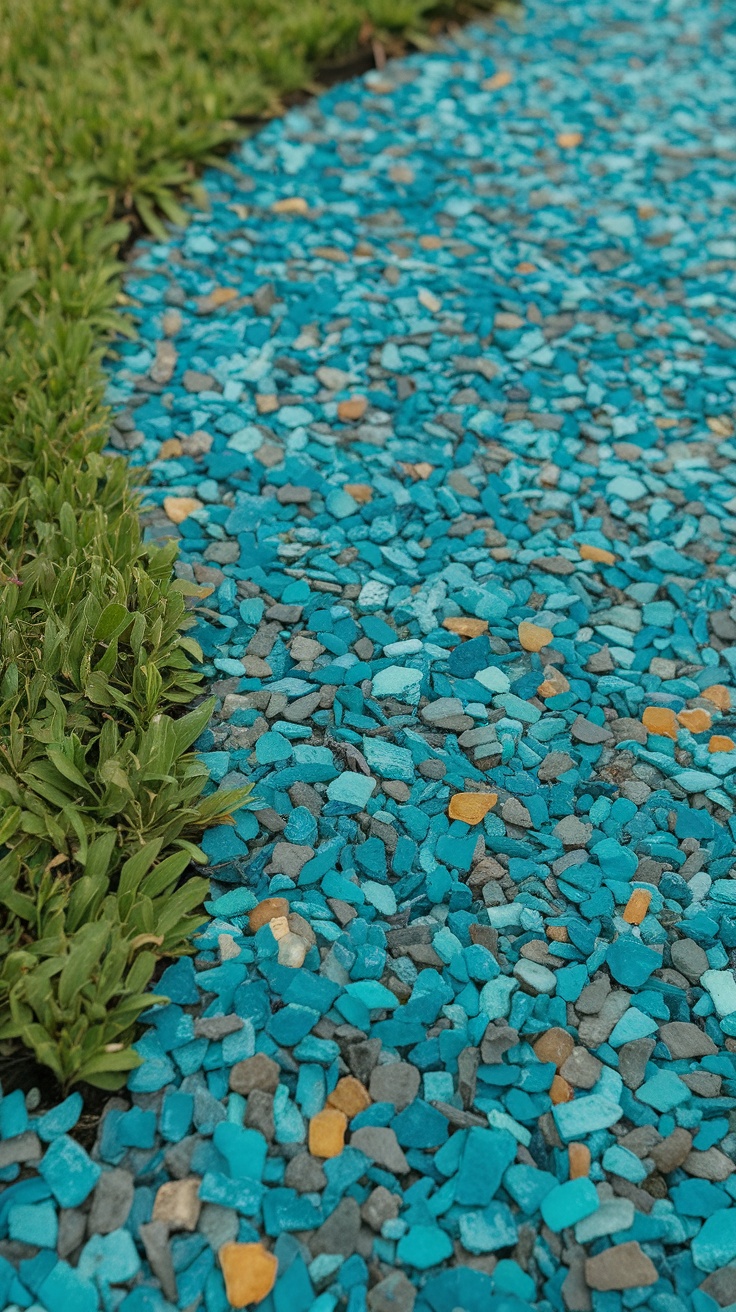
x=438, y=398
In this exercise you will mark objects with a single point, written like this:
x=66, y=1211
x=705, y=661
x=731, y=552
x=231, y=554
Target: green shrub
x=107, y=108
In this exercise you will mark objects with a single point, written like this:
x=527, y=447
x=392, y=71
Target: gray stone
x=339, y=1233
x=216, y=1027
x=709, y=1165
x=72, y=1231
x=396, y=1082
x=593, y=996
x=155, y=1239
x=575, y=1292
x=496, y=1041
x=111, y=1201
x=573, y=832
x=467, y=1070
x=585, y=731
x=672, y=1151
x=553, y=765
x=259, y=1113
x=703, y=1083
x=641, y=1140
x=594, y=1030
x=381, y=1205
x=20, y=1150
x=258, y=1072
x=362, y=1058
x=305, y=1174
x=684, y=1039
x=219, y=1225
x=395, y=1293
x=689, y=958
x=380, y=1144
x=581, y=1069
x=721, y=1285
x=632, y=1061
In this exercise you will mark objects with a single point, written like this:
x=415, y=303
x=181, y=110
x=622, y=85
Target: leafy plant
x=107, y=109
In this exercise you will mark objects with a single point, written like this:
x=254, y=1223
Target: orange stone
x=266, y=403
x=271, y=908
x=558, y=934
x=221, y=295
x=526, y=267
x=355, y=408
x=660, y=720
x=696, y=720
x=502, y=78
x=349, y=1096
x=327, y=1132
x=637, y=906
x=560, y=1091
x=170, y=448
x=718, y=695
x=553, y=684
x=290, y=205
x=721, y=425
x=471, y=807
x=249, y=1271
x=465, y=625
x=578, y=1156
x=180, y=508
x=554, y=1045
x=533, y=637
x=569, y=140
x=333, y=253
x=721, y=743
x=430, y=243
x=360, y=492
x=598, y=554
x=422, y=469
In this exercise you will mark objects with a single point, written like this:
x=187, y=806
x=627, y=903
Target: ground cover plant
x=106, y=111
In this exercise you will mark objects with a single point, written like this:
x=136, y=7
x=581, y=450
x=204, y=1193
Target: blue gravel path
x=439, y=399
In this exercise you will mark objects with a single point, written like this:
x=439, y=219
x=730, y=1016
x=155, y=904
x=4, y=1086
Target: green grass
x=107, y=109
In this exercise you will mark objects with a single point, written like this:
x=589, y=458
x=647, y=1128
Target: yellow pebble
x=290, y=205
x=718, y=695
x=578, y=1156
x=533, y=637
x=720, y=743
x=349, y=1096
x=355, y=408
x=637, y=906
x=560, y=1091
x=249, y=1271
x=180, y=508
x=501, y=79
x=360, y=492
x=697, y=720
x=597, y=554
x=660, y=720
x=569, y=140
x=471, y=807
x=327, y=1133
x=465, y=626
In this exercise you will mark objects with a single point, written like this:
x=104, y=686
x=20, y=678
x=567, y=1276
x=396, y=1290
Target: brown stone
x=624, y=1266
x=258, y=1072
x=554, y=1045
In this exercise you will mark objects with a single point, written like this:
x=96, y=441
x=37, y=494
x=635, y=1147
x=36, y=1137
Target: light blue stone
x=583, y=1116
x=399, y=682
x=569, y=1203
